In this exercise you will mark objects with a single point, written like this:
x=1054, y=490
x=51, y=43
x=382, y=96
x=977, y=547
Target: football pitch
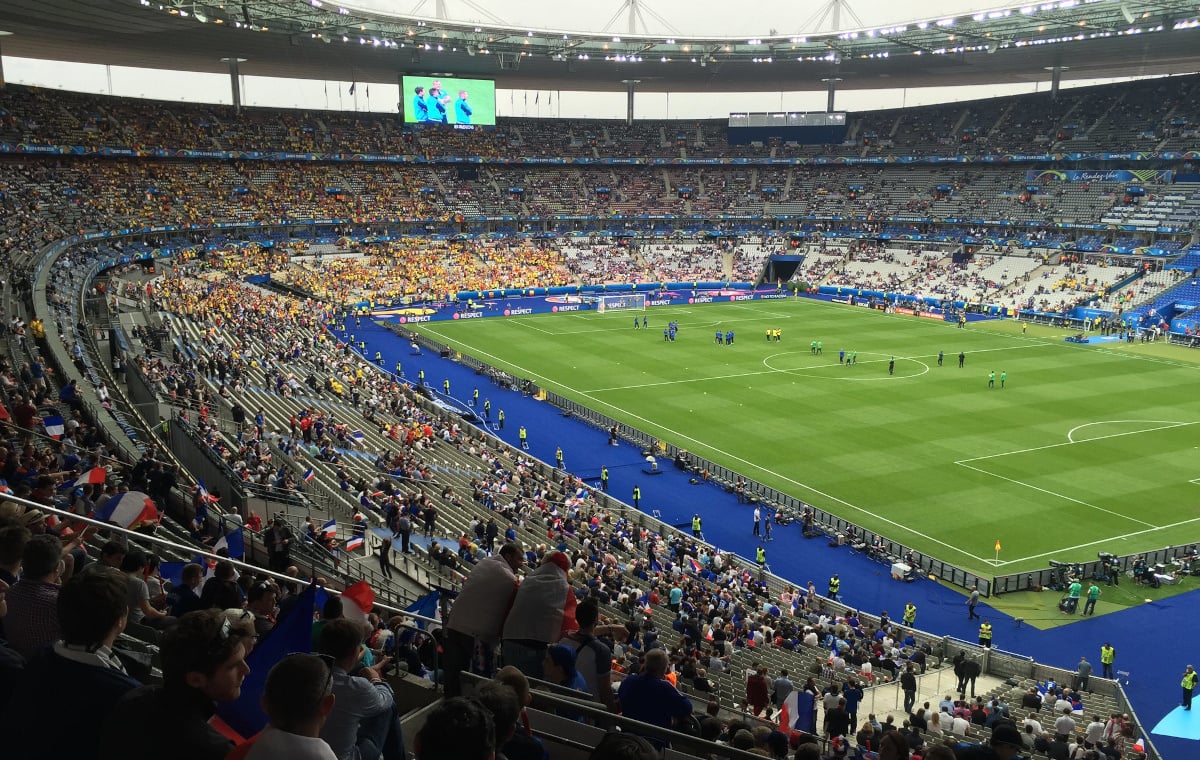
x=1084, y=449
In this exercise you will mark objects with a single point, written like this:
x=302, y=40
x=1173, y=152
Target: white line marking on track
x=697, y=444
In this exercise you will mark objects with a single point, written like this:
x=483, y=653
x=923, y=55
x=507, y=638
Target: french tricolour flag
x=354, y=544
x=357, y=601
x=232, y=541
x=329, y=528
x=55, y=427
x=309, y=474
x=203, y=493
x=128, y=509
x=93, y=476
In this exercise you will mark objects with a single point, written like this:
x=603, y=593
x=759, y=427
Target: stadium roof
x=317, y=39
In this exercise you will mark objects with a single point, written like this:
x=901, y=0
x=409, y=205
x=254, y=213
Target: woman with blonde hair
x=935, y=725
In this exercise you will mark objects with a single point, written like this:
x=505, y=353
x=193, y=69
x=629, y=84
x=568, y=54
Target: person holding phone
x=364, y=721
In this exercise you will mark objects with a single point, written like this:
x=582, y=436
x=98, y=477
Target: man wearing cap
x=1005, y=744
x=203, y=663
x=1189, y=686
x=559, y=668
x=298, y=698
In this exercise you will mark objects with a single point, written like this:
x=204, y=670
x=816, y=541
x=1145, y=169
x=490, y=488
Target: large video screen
x=448, y=100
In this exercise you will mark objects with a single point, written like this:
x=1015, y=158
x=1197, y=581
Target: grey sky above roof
x=679, y=17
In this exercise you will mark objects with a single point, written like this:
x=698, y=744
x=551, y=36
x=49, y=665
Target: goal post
x=622, y=302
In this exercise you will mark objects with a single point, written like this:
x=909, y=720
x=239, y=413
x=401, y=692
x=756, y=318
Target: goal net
x=625, y=301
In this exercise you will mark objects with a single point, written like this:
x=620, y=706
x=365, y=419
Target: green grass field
x=1086, y=449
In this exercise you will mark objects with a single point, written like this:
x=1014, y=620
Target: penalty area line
x=1048, y=492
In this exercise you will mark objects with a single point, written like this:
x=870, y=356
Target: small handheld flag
x=203, y=494
x=357, y=601
x=233, y=542
x=329, y=528
x=93, y=476
x=127, y=509
x=426, y=606
x=309, y=474
x=55, y=427
x=354, y=544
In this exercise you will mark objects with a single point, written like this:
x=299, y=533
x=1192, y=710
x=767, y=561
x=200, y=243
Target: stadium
x=707, y=326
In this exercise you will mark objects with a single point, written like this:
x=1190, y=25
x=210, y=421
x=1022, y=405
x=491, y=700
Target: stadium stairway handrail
x=550, y=702
x=193, y=551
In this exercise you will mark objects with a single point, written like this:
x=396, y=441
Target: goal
x=625, y=301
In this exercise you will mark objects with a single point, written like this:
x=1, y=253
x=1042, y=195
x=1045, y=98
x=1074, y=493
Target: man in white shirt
x=1032, y=721
x=960, y=726
x=298, y=697
x=1095, y=733
x=1064, y=727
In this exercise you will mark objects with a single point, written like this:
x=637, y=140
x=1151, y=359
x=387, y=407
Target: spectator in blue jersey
x=420, y=107
x=462, y=110
x=649, y=697
x=559, y=668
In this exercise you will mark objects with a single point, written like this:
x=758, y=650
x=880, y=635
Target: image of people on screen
x=462, y=111
x=420, y=106
x=436, y=103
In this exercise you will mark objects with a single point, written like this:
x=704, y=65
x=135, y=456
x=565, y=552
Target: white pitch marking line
x=1076, y=443
x=775, y=314
x=524, y=323
x=1059, y=495
x=702, y=445
x=774, y=370
x=1110, y=540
